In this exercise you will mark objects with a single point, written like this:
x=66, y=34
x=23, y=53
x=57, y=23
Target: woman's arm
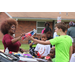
x=39, y=41
x=17, y=39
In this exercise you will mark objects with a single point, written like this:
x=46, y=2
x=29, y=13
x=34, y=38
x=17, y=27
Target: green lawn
x=24, y=46
x=1, y=45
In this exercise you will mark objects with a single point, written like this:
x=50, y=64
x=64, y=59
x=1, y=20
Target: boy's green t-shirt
x=62, y=47
x=53, y=60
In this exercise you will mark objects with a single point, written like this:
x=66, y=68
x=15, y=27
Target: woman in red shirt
x=8, y=28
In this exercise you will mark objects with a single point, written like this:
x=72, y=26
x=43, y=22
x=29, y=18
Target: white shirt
x=55, y=35
x=44, y=50
x=72, y=58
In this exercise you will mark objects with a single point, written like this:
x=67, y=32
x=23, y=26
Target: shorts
x=32, y=52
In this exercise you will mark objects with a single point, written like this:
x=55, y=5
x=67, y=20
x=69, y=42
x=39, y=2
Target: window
x=40, y=26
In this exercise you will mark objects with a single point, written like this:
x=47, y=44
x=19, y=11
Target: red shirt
x=7, y=43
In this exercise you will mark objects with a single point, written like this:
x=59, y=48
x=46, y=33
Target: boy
x=43, y=50
x=63, y=43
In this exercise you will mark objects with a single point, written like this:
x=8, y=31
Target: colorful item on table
x=10, y=52
x=38, y=55
x=24, y=55
x=28, y=55
x=47, y=57
x=21, y=55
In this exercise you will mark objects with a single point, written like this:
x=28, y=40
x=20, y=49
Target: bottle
x=7, y=51
x=28, y=34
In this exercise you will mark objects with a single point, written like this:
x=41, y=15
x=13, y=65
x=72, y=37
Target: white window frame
x=39, y=27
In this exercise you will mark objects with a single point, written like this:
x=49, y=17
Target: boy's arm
x=39, y=41
x=70, y=52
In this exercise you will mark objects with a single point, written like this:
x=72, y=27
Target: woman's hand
x=17, y=38
x=22, y=34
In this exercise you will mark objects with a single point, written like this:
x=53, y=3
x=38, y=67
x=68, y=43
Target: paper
x=28, y=59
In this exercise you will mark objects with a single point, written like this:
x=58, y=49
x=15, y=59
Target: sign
x=58, y=19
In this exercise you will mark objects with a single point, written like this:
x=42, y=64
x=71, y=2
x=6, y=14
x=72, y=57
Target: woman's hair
x=61, y=25
x=47, y=29
x=48, y=32
x=47, y=23
x=6, y=25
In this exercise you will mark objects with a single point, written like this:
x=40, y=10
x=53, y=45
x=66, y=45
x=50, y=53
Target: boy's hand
x=22, y=34
x=29, y=37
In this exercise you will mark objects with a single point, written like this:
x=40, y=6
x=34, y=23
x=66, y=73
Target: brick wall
x=24, y=27
x=3, y=16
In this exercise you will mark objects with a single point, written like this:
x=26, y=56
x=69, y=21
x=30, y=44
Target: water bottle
x=7, y=51
x=28, y=34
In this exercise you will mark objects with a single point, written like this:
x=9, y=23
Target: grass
x=1, y=45
x=24, y=46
